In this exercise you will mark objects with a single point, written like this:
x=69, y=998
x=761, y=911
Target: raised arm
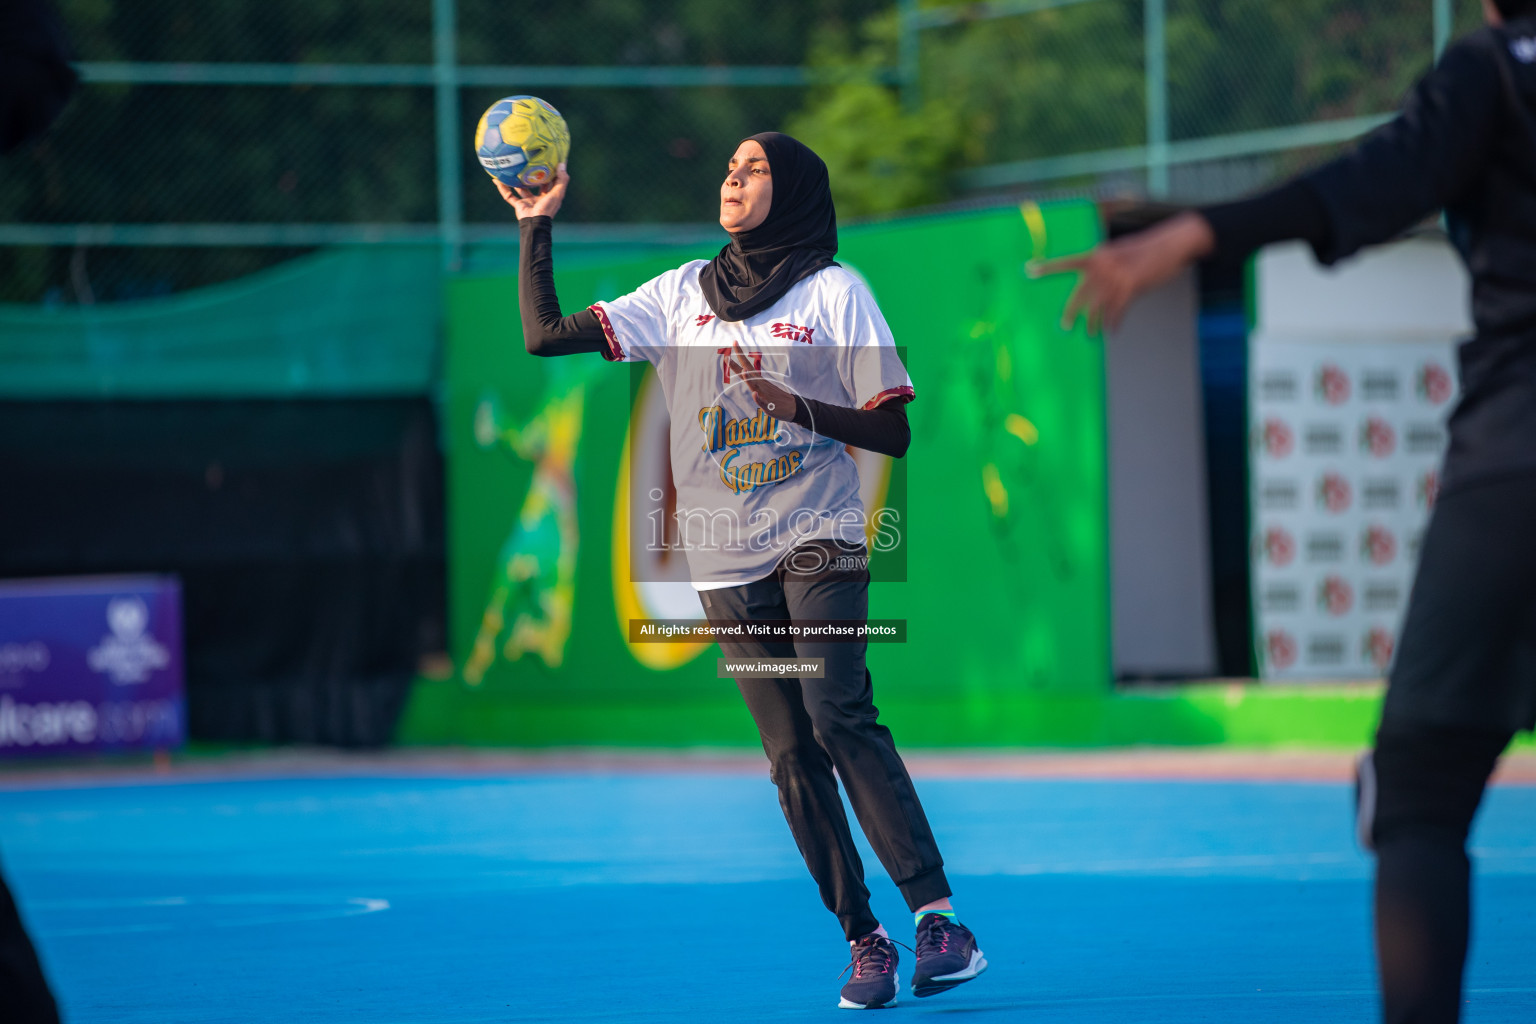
x=545, y=331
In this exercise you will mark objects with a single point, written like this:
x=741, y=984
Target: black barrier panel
x=308, y=536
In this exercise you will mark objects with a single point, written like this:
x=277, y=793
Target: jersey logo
x=1524, y=49
x=700, y=321
x=725, y=362
x=794, y=332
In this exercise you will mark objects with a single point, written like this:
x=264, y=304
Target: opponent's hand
x=770, y=396
x=529, y=203
x=1115, y=273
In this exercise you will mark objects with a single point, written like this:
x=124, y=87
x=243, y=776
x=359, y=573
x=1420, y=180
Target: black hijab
x=796, y=239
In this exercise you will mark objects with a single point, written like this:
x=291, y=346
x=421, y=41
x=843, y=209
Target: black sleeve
x=1429, y=155
x=883, y=429
x=1294, y=210
x=545, y=331
x=1397, y=176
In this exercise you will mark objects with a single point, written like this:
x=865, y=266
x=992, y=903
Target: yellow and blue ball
x=520, y=141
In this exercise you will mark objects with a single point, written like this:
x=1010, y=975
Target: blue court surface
x=678, y=896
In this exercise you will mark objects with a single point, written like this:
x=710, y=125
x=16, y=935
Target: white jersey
x=749, y=486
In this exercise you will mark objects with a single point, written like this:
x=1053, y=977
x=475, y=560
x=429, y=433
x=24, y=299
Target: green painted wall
x=1199, y=714
x=1007, y=579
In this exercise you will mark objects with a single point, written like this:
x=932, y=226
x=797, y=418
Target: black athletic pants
x=1428, y=782
x=1463, y=683
x=811, y=726
x=24, y=995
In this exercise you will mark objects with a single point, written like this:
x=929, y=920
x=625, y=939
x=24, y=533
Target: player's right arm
x=545, y=331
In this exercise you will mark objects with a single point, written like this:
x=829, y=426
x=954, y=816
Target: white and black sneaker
x=874, y=983
x=946, y=955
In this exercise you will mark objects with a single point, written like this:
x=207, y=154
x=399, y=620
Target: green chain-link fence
x=211, y=140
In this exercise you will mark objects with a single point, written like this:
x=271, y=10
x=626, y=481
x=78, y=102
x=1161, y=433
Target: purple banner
x=90, y=664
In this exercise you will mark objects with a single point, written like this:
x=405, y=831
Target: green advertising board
x=1002, y=498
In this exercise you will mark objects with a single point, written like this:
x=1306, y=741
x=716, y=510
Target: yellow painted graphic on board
x=529, y=608
x=650, y=573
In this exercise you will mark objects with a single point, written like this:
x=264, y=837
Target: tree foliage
x=881, y=157
x=152, y=154
x=1072, y=80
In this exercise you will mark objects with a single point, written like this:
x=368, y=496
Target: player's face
x=747, y=191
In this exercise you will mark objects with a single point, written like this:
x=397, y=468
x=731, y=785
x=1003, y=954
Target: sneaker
x=874, y=982
x=946, y=955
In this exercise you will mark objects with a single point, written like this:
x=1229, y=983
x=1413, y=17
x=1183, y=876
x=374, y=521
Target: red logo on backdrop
x=1282, y=648
x=1434, y=383
x=1379, y=545
x=1378, y=437
x=1429, y=488
x=1335, y=596
x=794, y=332
x=1333, y=492
x=1279, y=439
x=1279, y=546
x=702, y=319
x=1332, y=384
x=1378, y=647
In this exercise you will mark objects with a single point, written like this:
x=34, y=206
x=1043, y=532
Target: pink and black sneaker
x=874, y=982
x=946, y=955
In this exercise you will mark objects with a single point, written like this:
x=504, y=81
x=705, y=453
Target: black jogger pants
x=1463, y=682
x=811, y=726
x=1420, y=791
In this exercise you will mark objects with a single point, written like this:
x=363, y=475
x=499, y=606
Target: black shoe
x=874, y=982
x=946, y=955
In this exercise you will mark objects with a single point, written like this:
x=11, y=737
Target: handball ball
x=521, y=140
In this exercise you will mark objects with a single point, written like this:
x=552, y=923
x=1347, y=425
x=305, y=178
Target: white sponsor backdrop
x=1347, y=416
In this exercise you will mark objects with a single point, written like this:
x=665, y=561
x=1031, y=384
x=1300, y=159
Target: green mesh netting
x=352, y=321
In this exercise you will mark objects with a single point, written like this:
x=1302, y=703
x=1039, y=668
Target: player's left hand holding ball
x=533, y=203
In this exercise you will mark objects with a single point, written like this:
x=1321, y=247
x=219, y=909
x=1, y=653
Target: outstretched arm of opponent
x=545, y=331
x=1423, y=159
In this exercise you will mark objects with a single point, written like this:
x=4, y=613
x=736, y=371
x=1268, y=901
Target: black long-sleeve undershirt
x=883, y=429
x=546, y=332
